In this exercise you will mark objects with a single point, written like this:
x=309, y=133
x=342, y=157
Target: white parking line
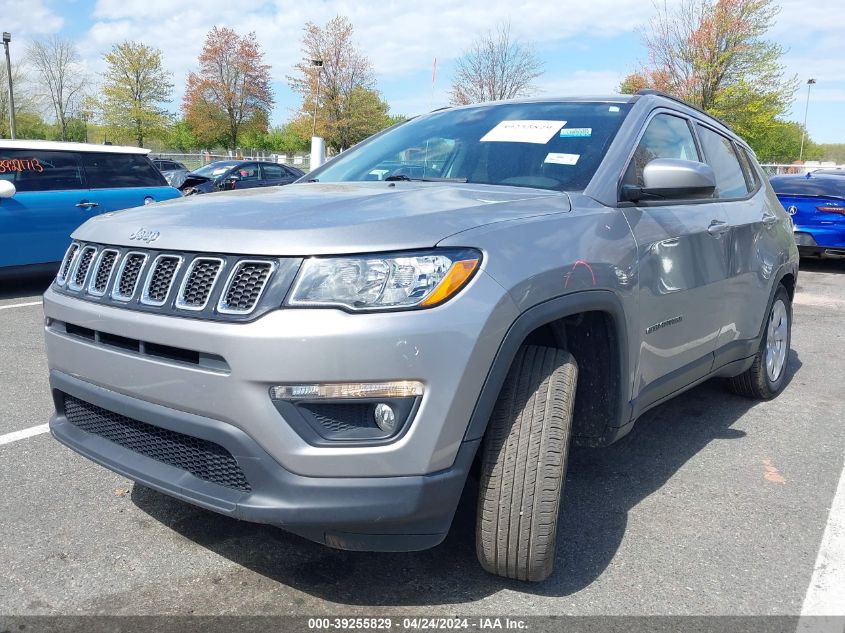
x=8, y=438
x=20, y=305
x=826, y=593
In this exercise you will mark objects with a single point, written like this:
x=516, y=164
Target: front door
x=51, y=201
x=683, y=250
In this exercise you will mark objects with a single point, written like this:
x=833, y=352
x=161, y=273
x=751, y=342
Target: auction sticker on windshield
x=562, y=159
x=526, y=131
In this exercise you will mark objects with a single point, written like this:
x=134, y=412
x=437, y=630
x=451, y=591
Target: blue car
x=48, y=189
x=816, y=202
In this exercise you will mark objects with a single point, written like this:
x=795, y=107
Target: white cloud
x=399, y=37
x=25, y=20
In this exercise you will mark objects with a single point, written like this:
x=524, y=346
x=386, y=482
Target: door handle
x=87, y=205
x=769, y=218
x=717, y=227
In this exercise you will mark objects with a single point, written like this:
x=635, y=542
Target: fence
x=773, y=169
x=198, y=159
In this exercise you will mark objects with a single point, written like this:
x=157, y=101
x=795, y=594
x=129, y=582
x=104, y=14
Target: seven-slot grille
x=64, y=269
x=245, y=287
x=199, y=282
x=127, y=278
x=102, y=272
x=224, y=287
x=83, y=265
x=160, y=279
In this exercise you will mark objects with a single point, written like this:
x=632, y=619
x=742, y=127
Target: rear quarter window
x=114, y=171
x=34, y=170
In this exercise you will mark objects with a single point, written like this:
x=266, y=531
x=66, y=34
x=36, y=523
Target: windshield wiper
x=403, y=178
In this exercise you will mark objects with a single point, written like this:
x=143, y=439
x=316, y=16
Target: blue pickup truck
x=47, y=189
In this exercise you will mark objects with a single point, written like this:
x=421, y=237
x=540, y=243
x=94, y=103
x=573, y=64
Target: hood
x=320, y=218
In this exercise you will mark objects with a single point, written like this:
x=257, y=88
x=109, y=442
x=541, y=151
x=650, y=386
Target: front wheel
x=767, y=375
x=523, y=465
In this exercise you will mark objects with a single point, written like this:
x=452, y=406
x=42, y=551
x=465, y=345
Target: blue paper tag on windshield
x=576, y=132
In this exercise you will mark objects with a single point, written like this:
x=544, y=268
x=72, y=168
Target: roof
x=71, y=147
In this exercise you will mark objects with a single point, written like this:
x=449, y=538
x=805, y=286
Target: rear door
x=275, y=174
x=51, y=201
x=757, y=229
x=122, y=181
x=683, y=269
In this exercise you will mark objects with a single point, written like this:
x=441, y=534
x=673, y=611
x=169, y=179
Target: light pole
x=7, y=37
x=810, y=82
x=318, y=64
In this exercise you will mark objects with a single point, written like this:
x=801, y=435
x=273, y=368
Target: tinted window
x=247, y=171
x=812, y=186
x=34, y=170
x=747, y=163
x=273, y=172
x=666, y=136
x=719, y=154
x=113, y=171
x=293, y=172
x=549, y=145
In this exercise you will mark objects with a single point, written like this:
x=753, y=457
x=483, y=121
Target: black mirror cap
x=673, y=179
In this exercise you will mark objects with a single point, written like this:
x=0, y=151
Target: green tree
x=135, y=84
x=714, y=55
x=61, y=78
x=180, y=137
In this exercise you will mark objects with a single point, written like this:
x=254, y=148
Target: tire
x=758, y=381
x=523, y=463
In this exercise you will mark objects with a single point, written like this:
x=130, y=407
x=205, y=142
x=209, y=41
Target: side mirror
x=673, y=179
x=7, y=189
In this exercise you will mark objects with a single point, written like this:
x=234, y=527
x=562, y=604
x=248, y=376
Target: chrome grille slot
x=128, y=276
x=245, y=286
x=160, y=279
x=102, y=272
x=198, y=283
x=64, y=269
x=81, y=268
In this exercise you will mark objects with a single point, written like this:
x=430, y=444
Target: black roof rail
x=659, y=93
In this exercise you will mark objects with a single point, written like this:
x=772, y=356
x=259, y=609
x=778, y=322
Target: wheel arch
x=547, y=316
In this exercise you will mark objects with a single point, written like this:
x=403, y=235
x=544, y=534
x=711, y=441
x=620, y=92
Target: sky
x=587, y=46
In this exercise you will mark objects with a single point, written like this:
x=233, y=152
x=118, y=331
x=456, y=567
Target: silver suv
x=481, y=284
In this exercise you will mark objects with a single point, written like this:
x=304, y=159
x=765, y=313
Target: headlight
x=384, y=281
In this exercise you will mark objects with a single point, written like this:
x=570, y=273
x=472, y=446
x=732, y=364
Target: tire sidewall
x=774, y=386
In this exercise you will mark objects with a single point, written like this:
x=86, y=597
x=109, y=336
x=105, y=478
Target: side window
x=719, y=154
x=292, y=173
x=247, y=171
x=35, y=170
x=748, y=168
x=273, y=172
x=114, y=171
x=666, y=136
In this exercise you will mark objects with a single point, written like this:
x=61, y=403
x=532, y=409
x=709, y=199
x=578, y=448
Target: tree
x=181, y=138
x=134, y=86
x=495, y=67
x=231, y=92
x=24, y=102
x=62, y=77
x=344, y=73
x=712, y=54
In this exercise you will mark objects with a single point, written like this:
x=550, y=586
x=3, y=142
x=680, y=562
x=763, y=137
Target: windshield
x=545, y=145
x=212, y=170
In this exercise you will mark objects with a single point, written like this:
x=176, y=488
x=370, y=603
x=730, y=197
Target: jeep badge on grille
x=145, y=235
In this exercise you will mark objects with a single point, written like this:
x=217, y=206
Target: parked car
x=816, y=202
x=564, y=267
x=47, y=189
x=173, y=171
x=225, y=175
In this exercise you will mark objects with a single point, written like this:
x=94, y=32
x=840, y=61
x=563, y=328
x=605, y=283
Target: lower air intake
x=203, y=459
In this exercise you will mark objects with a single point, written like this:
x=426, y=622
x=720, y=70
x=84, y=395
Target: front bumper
x=362, y=513
x=449, y=349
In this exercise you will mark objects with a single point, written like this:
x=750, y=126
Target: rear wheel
x=767, y=375
x=523, y=465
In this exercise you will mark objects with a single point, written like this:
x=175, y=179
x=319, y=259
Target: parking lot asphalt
x=714, y=504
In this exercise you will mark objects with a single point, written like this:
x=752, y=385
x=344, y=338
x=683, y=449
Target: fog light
x=385, y=417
